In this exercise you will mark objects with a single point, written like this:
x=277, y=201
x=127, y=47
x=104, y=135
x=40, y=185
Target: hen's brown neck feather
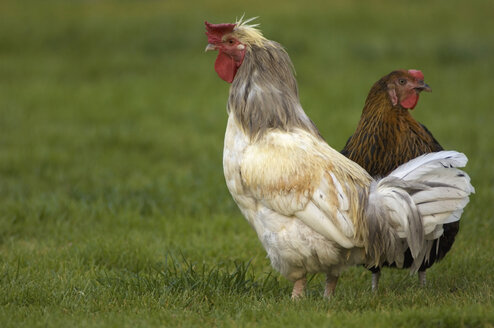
x=264, y=93
x=387, y=136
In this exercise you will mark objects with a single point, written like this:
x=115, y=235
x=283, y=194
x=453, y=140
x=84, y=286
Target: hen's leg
x=376, y=274
x=422, y=280
x=330, y=285
x=298, y=288
x=375, y=280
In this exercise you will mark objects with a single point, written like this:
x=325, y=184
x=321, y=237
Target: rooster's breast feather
x=299, y=176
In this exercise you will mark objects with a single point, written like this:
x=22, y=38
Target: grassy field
x=113, y=206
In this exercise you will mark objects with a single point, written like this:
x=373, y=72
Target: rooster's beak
x=423, y=87
x=210, y=47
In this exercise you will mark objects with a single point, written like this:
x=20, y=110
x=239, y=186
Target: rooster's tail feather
x=407, y=208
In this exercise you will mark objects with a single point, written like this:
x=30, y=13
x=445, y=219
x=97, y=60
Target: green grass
x=113, y=206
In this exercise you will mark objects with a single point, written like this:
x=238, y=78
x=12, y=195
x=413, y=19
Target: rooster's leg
x=375, y=280
x=422, y=280
x=330, y=285
x=298, y=288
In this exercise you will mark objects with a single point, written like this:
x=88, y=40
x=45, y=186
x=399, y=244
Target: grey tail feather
x=384, y=244
x=407, y=208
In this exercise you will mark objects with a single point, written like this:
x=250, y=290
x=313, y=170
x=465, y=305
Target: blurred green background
x=111, y=133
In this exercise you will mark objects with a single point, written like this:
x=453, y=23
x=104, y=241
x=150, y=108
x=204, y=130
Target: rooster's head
x=232, y=40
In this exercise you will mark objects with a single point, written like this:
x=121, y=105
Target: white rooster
x=313, y=209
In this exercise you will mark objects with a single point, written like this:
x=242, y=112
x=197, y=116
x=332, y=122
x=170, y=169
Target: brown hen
x=388, y=136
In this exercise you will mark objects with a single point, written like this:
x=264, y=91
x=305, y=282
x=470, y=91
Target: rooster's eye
x=402, y=81
x=231, y=41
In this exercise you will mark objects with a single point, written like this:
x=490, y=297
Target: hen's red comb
x=416, y=74
x=216, y=31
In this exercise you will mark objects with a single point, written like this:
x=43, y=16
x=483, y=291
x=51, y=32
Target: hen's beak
x=210, y=47
x=423, y=87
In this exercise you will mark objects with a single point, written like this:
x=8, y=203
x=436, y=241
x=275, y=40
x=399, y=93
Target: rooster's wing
x=299, y=176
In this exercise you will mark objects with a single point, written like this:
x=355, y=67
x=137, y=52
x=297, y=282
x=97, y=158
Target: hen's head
x=232, y=40
x=404, y=87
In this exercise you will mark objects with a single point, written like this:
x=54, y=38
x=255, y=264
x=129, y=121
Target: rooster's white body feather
x=296, y=228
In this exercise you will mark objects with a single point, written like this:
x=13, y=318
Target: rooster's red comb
x=216, y=31
x=416, y=74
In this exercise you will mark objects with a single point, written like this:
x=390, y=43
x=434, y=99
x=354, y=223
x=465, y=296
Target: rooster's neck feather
x=264, y=94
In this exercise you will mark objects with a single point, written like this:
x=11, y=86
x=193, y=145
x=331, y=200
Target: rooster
x=388, y=136
x=313, y=209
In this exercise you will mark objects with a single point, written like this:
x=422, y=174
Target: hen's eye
x=402, y=81
x=231, y=41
